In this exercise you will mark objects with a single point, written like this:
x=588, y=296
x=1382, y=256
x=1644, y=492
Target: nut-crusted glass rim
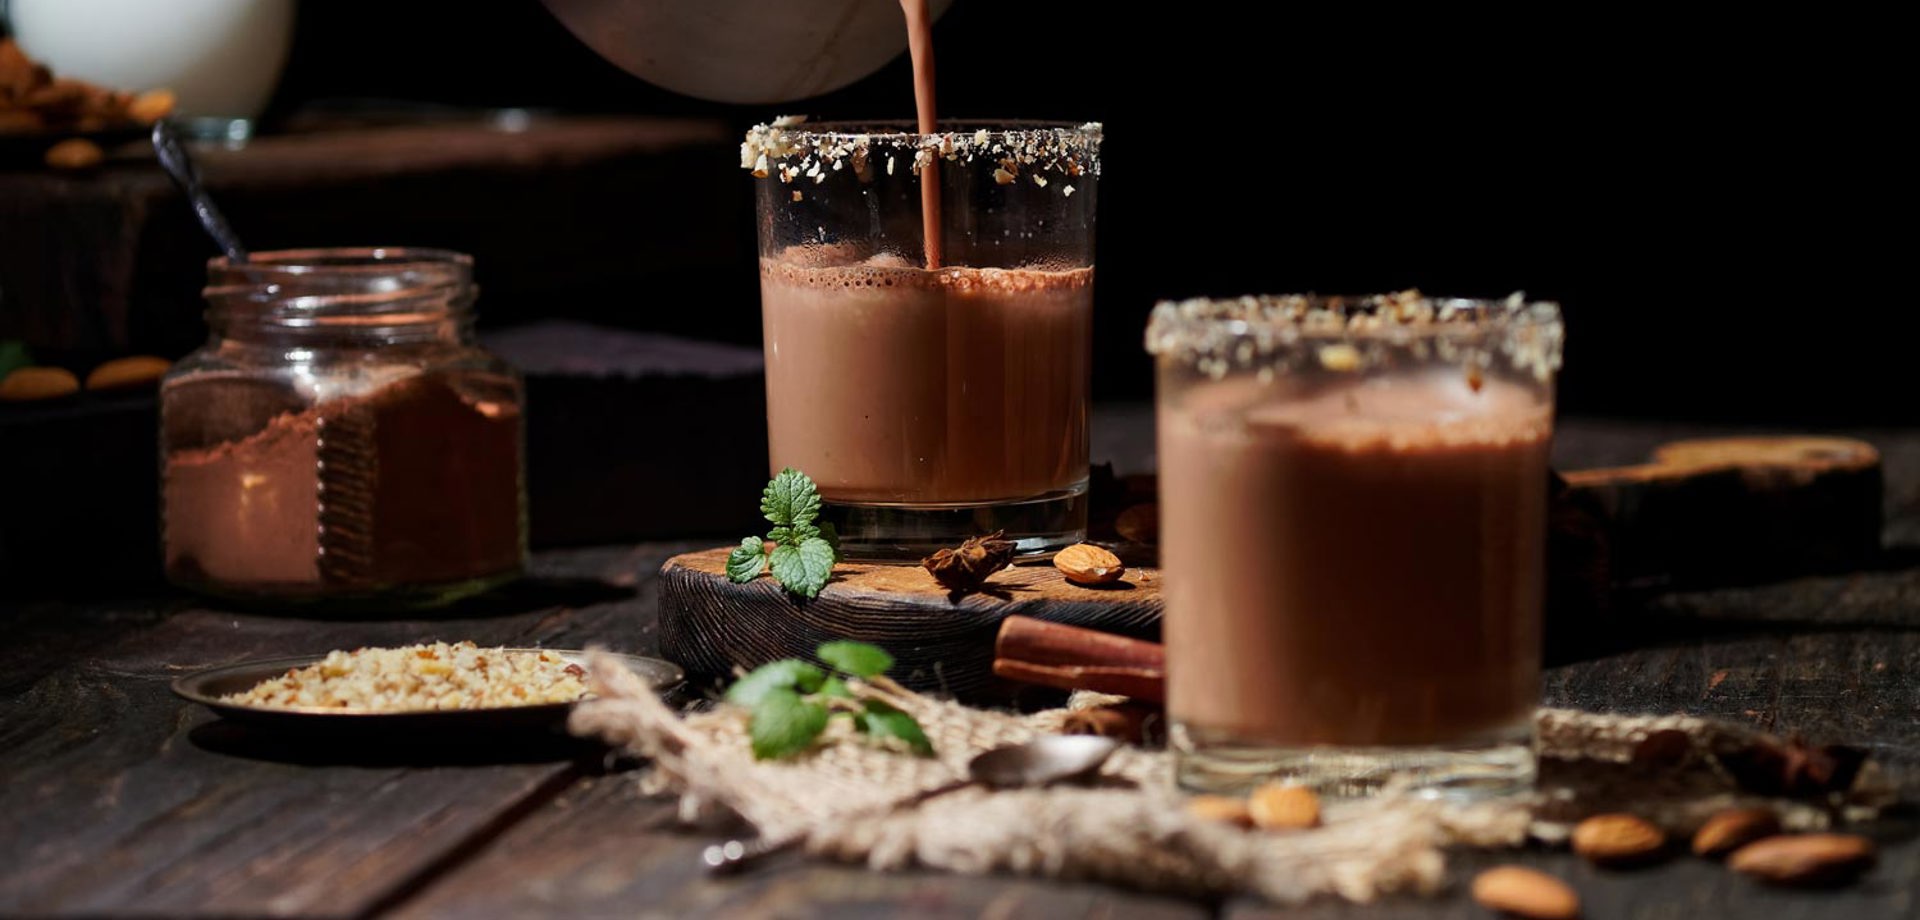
x=899, y=129
x=788, y=146
x=1283, y=318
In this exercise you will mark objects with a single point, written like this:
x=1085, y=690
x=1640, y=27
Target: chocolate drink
x=888, y=383
x=1355, y=564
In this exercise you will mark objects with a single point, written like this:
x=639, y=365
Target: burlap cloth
x=1131, y=828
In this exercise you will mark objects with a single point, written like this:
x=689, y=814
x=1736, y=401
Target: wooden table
x=116, y=798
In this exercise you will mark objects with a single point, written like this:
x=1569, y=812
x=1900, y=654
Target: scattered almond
x=1086, y=564
x=1280, y=807
x=75, y=153
x=1618, y=840
x=151, y=106
x=1526, y=893
x=1002, y=176
x=127, y=373
x=1734, y=828
x=1804, y=859
x=1140, y=523
x=1220, y=808
x=30, y=383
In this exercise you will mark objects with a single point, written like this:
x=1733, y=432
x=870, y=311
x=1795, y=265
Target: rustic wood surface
x=942, y=641
x=115, y=799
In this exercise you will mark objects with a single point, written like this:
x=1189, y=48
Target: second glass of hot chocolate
x=1353, y=512
x=927, y=308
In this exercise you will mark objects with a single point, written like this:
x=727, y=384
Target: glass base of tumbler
x=898, y=532
x=1499, y=766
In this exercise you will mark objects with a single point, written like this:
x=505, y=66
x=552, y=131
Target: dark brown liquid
x=920, y=48
x=1356, y=566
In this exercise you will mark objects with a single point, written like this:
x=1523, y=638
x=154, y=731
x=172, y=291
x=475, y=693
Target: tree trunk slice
x=940, y=643
x=1702, y=512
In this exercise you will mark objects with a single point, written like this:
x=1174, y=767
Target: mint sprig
x=799, y=549
x=793, y=700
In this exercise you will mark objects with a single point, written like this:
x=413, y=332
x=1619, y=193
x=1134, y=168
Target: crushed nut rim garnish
x=793, y=150
x=1345, y=334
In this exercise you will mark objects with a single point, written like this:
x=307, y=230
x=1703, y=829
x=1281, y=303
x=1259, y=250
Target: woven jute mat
x=1131, y=827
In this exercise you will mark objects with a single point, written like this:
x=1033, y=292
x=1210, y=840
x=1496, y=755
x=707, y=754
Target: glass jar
x=341, y=437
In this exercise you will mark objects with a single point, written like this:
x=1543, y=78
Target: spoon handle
x=174, y=158
x=736, y=855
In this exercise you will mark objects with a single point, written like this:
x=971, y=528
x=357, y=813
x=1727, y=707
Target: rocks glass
x=928, y=366
x=1353, y=528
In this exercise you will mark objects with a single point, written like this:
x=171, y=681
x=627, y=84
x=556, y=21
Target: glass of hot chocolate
x=927, y=309
x=1353, y=520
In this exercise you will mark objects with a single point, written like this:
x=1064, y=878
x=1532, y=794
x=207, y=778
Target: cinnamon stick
x=1071, y=658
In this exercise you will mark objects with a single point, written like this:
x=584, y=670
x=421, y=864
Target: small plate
x=207, y=687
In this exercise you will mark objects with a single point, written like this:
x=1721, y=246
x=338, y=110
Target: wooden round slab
x=940, y=643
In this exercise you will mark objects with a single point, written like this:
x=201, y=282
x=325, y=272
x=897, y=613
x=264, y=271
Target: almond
x=1804, y=859
x=1734, y=828
x=1279, y=807
x=1526, y=893
x=30, y=383
x=1220, y=808
x=151, y=106
x=1618, y=840
x=75, y=153
x=127, y=373
x=1086, y=564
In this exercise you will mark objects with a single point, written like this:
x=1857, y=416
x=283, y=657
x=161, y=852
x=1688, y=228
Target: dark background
x=1712, y=198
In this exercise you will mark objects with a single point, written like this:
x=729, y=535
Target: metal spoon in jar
x=173, y=157
x=1041, y=762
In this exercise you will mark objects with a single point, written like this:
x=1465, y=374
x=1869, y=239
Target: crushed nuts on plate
x=422, y=677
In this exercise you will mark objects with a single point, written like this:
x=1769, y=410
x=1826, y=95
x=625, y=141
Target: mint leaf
x=747, y=560
x=787, y=674
x=881, y=721
x=796, y=535
x=856, y=658
x=803, y=569
x=804, y=552
x=835, y=688
x=790, y=499
x=784, y=724
x=818, y=555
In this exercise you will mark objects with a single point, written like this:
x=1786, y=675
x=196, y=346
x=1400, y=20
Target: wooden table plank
x=126, y=800
x=604, y=850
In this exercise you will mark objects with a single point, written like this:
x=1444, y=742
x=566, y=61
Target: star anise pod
x=965, y=567
x=1795, y=768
